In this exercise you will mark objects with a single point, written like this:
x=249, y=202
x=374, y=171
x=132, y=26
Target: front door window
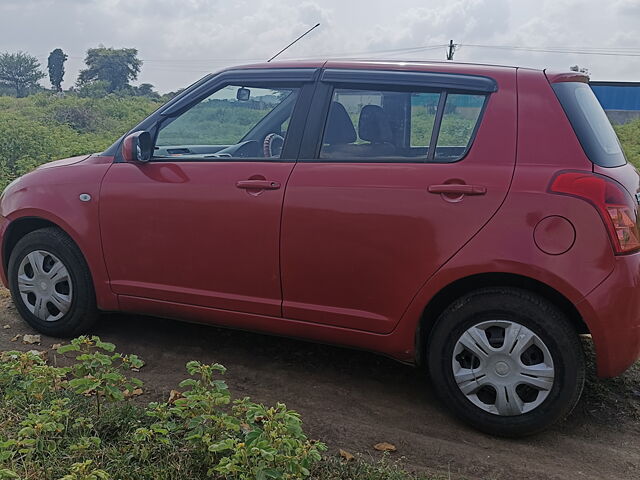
x=234, y=122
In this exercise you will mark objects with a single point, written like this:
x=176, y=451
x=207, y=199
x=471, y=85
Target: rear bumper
x=612, y=313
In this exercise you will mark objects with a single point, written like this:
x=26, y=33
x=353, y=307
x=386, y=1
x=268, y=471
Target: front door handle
x=458, y=189
x=258, y=184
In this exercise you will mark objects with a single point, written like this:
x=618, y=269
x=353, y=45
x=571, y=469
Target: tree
x=117, y=67
x=95, y=89
x=169, y=95
x=146, y=90
x=55, y=65
x=20, y=71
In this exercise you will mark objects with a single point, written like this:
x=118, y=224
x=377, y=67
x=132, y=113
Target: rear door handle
x=458, y=189
x=258, y=184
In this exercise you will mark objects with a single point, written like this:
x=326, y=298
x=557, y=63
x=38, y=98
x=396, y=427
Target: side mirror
x=137, y=147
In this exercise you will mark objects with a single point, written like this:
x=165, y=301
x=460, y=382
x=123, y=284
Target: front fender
x=53, y=194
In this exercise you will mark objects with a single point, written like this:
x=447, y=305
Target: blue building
x=621, y=100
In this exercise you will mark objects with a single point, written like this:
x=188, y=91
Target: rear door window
x=390, y=125
x=592, y=127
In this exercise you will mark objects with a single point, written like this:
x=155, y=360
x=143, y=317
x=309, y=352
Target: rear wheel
x=506, y=361
x=51, y=285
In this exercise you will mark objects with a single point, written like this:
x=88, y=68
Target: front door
x=404, y=176
x=200, y=223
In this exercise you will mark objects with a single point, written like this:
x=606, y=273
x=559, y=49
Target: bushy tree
x=20, y=71
x=117, y=67
x=146, y=90
x=94, y=89
x=169, y=95
x=55, y=65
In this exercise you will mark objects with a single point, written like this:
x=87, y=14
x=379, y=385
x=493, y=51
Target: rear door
x=200, y=223
x=398, y=170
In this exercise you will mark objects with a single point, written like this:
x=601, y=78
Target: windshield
x=590, y=122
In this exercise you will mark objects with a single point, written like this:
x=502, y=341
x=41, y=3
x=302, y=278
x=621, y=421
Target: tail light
x=615, y=205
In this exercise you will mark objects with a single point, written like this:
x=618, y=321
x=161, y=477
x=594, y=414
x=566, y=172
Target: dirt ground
x=353, y=400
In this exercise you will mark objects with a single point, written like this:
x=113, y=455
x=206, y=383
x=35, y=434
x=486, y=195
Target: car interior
x=384, y=127
x=265, y=139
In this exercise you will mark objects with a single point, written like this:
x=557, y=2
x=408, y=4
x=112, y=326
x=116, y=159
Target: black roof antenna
x=305, y=33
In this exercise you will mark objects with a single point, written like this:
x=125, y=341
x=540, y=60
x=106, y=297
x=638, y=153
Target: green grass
x=212, y=123
x=335, y=469
x=629, y=135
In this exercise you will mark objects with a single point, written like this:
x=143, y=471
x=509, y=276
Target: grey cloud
x=180, y=40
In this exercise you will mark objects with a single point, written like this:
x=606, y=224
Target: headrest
x=374, y=125
x=339, y=129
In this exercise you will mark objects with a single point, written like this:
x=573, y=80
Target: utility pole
x=451, y=50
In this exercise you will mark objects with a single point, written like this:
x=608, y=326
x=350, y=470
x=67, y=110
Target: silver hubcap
x=503, y=367
x=45, y=285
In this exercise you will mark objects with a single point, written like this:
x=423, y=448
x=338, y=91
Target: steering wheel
x=272, y=145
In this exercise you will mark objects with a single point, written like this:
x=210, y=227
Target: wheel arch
x=448, y=294
x=18, y=228
x=91, y=251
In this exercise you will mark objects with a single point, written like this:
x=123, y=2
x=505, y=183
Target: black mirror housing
x=243, y=94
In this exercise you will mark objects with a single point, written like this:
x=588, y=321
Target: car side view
x=472, y=219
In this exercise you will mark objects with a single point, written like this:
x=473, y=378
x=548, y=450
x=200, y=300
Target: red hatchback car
x=474, y=219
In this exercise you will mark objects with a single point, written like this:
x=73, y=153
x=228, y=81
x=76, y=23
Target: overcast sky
x=181, y=40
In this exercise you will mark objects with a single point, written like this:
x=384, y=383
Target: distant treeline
x=108, y=71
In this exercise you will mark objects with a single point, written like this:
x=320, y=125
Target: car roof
x=494, y=71
x=410, y=66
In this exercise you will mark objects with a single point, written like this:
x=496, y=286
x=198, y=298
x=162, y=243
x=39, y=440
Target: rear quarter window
x=459, y=122
x=591, y=125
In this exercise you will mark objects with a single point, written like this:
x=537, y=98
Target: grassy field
x=42, y=127
x=629, y=135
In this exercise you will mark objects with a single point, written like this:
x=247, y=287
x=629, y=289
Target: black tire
x=536, y=314
x=82, y=312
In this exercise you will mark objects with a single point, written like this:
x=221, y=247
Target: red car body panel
x=184, y=232
x=348, y=253
x=612, y=311
x=378, y=229
x=51, y=193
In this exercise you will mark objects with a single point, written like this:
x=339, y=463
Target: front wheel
x=51, y=285
x=506, y=361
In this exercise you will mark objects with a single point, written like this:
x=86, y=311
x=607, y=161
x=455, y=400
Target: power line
x=594, y=51
x=573, y=48
x=236, y=59
x=202, y=65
